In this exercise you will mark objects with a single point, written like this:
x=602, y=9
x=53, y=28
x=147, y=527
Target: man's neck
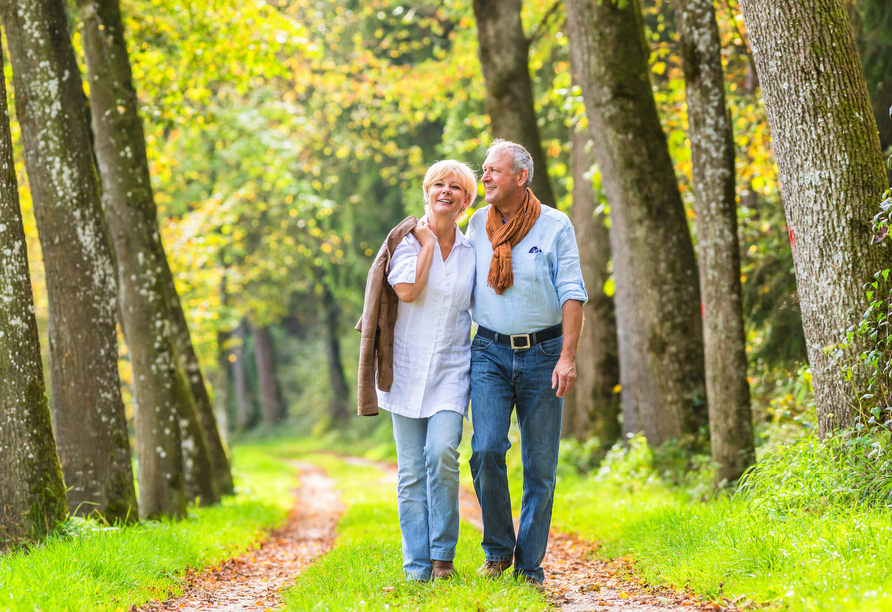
x=513, y=207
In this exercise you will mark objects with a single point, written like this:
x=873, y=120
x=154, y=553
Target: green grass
x=364, y=570
x=90, y=568
x=788, y=543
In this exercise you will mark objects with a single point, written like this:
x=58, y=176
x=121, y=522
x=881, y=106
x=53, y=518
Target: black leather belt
x=521, y=341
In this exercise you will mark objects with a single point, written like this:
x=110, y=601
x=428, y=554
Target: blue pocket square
x=535, y=250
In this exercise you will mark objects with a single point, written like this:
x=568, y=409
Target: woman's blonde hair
x=463, y=174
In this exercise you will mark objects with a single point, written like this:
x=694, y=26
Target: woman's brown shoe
x=443, y=569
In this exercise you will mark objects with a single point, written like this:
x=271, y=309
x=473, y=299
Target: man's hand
x=564, y=376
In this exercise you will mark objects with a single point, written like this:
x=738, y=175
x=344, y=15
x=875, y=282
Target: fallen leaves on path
x=254, y=580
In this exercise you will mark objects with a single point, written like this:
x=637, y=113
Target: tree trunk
x=504, y=56
x=657, y=294
x=265, y=359
x=159, y=383
x=596, y=403
x=712, y=154
x=831, y=171
x=32, y=493
x=240, y=379
x=339, y=412
x=88, y=412
x=221, y=384
x=217, y=447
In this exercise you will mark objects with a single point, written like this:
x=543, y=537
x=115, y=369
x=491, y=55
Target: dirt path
x=254, y=580
x=574, y=580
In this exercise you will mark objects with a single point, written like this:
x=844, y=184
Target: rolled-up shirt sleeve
x=568, y=277
x=403, y=262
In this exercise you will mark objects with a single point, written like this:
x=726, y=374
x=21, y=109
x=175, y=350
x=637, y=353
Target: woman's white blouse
x=432, y=337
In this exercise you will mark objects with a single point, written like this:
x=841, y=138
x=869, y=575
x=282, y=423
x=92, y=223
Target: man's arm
x=564, y=376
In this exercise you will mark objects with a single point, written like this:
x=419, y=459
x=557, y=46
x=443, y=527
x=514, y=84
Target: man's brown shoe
x=443, y=569
x=493, y=569
x=532, y=582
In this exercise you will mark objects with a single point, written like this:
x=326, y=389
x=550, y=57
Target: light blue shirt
x=546, y=274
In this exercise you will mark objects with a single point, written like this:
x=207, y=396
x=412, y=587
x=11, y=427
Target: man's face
x=499, y=183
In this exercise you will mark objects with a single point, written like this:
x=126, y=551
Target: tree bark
x=32, y=492
x=596, y=403
x=831, y=171
x=339, y=412
x=265, y=359
x=509, y=101
x=219, y=451
x=88, y=412
x=159, y=383
x=657, y=294
x=240, y=379
x=712, y=154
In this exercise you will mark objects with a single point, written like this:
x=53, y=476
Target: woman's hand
x=424, y=234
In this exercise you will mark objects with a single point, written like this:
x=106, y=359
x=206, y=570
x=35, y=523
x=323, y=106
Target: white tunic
x=432, y=337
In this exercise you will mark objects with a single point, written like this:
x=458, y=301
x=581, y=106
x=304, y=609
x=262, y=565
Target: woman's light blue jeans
x=427, y=494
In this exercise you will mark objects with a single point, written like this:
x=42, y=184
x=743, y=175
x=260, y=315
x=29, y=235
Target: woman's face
x=445, y=196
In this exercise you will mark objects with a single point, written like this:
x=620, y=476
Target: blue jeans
x=427, y=493
x=502, y=378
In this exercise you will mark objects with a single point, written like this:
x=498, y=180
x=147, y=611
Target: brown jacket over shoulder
x=377, y=323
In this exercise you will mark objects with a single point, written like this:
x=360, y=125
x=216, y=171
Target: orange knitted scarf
x=505, y=236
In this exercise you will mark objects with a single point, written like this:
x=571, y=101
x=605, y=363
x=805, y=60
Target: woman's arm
x=409, y=292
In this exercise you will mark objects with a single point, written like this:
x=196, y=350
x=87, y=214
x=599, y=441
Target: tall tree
x=185, y=350
x=88, y=412
x=595, y=401
x=657, y=294
x=160, y=389
x=243, y=407
x=831, y=170
x=715, y=202
x=339, y=411
x=265, y=358
x=504, y=55
x=32, y=493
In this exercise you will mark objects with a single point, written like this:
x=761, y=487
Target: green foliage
x=88, y=566
x=806, y=533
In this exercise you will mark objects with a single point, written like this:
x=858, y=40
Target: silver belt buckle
x=523, y=336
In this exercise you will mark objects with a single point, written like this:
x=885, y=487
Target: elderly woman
x=432, y=273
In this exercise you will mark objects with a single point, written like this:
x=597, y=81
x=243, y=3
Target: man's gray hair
x=520, y=157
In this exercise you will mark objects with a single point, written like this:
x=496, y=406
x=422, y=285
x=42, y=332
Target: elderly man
x=528, y=301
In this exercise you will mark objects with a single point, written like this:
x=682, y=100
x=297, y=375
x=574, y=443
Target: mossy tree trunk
x=595, y=403
x=32, y=492
x=831, y=171
x=267, y=380
x=88, y=412
x=217, y=447
x=504, y=55
x=160, y=390
x=712, y=154
x=657, y=293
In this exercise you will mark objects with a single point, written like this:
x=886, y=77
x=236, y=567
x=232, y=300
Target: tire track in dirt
x=254, y=580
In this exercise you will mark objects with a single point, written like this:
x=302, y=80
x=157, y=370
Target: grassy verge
x=87, y=567
x=798, y=540
x=364, y=570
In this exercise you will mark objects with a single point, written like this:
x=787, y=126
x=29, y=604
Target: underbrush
x=808, y=529
x=87, y=566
